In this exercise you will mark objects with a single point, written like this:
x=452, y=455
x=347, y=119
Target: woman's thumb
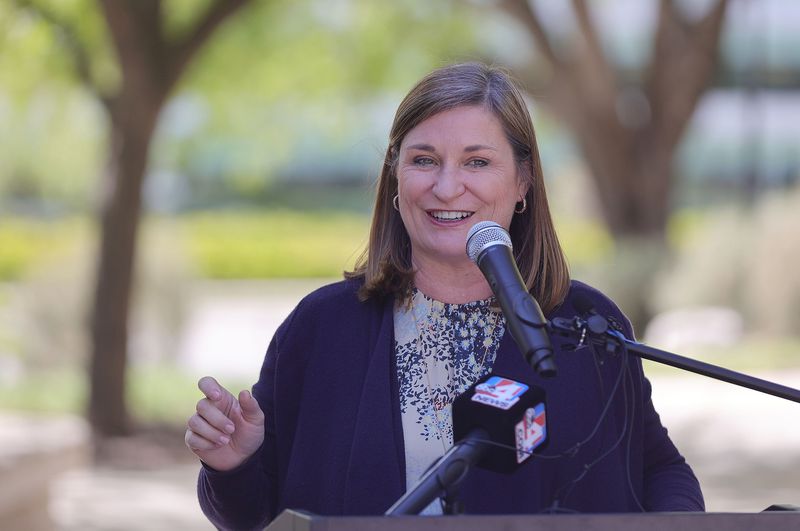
x=251, y=411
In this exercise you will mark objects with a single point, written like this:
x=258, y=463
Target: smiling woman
x=354, y=400
x=454, y=170
x=479, y=111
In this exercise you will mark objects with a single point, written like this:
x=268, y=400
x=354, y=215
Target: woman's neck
x=451, y=284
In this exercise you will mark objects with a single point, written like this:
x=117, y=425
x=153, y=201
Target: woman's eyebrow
x=423, y=147
x=478, y=147
x=468, y=149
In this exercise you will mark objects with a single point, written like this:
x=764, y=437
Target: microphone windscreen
x=484, y=234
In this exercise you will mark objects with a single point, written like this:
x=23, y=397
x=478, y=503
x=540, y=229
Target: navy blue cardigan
x=334, y=439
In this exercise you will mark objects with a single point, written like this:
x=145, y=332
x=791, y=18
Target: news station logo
x=530, y=432
x=499, y=392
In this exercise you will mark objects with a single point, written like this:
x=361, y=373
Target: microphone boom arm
x=597, y=331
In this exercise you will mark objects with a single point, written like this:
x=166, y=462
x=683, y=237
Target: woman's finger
x=197, y=443
x=214, y=417
x=211, y=388
x=201, y=428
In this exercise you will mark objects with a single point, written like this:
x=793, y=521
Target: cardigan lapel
x=376, y=474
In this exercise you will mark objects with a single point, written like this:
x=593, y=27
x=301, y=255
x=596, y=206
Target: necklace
x=443, y=397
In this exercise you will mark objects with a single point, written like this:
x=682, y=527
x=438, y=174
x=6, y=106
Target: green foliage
x=585, y=242
x=220, y=245
x=26, y=244
x=275, y=243
x=50, y=129
x=314, y=85
x=44, y=39
x=280, y=83
x=316, y=49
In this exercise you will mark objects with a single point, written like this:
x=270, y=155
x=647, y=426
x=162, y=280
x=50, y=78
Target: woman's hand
x=224, y=431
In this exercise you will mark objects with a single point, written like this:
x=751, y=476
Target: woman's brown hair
x=386, y=263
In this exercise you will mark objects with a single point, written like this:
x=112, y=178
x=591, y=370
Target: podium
x=290, y=520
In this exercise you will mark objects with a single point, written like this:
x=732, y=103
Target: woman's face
x=455, y=169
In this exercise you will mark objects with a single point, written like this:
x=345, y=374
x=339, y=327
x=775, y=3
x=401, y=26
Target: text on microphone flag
x=499, y=392
x=530, y=432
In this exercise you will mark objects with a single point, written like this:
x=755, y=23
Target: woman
x=353, y=400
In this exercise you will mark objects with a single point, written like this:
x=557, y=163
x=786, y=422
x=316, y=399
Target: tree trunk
x=151, y=64
x=129, y=147
x=628, y=130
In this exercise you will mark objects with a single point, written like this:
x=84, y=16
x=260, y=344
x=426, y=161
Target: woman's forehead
x=473, y=127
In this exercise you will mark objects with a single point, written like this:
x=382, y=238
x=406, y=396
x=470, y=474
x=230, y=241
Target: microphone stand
x=595, y=329
x=442, y=478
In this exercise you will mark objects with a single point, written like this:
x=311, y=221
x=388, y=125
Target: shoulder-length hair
x=385, y=264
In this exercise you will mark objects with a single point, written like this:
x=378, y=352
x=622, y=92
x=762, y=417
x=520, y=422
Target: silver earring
x=524, y=206
x=396, y=202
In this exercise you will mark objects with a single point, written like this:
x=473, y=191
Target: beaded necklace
x=438, y=401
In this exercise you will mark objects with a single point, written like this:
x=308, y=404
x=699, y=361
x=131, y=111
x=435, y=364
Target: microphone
x=496, y=410
x=489, y=246
x=507, y=412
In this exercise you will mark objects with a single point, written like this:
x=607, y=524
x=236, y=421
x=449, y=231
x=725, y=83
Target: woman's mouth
x=449, y=216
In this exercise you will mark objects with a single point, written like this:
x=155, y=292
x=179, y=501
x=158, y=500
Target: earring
x=522, y=209
x=396, y=202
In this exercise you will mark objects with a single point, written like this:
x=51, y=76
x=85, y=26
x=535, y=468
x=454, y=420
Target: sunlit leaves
x=284, y=87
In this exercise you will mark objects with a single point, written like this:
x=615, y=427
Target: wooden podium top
x=290, y=520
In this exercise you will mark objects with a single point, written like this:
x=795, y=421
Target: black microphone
x=489, y=246
x=509, y=413
x=498, y=423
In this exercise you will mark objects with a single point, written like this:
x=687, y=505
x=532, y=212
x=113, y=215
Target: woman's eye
x=478, y=163
x=423, y=161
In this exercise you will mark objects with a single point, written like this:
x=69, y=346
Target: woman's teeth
x=450, y=215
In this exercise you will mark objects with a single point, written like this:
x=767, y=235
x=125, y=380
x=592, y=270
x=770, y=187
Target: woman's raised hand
x=224, y=431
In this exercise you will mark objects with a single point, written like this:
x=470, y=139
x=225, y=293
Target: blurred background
x=176, y=174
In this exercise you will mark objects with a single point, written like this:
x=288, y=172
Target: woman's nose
x=448, y=184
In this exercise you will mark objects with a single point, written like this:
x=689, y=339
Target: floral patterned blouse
x=441, y=350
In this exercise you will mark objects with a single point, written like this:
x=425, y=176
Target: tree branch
x=131, y=37
x=74, y=47
x=597, y=81
x=685, y=52
x=522, y=10
x=592, y=40
x=182, y=52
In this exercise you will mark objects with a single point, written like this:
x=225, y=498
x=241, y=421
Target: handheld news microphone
x=510, y=413
x=489, y=246
x=498, y=423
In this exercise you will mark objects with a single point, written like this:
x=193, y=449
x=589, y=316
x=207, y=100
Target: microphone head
x=485, y=234
x=511, y=413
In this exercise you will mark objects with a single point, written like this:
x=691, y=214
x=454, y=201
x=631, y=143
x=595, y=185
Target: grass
x=156, y=393
x=54, y=391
